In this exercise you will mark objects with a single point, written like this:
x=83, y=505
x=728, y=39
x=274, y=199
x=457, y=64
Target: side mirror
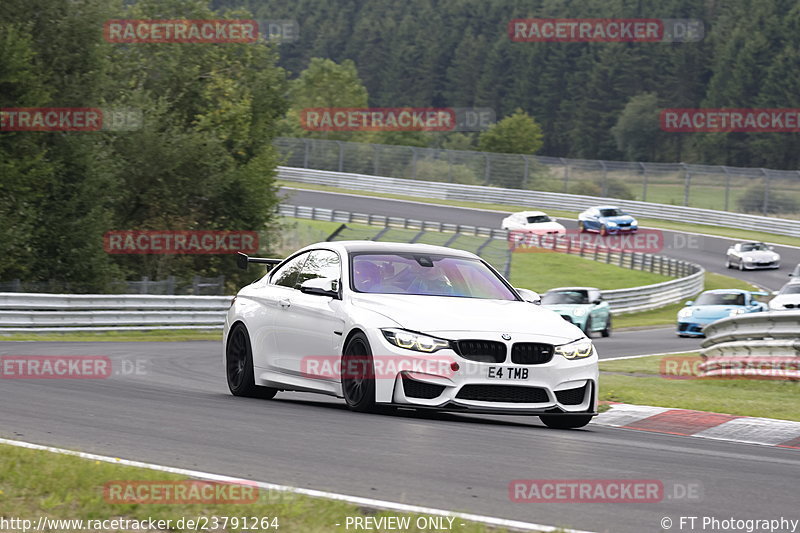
x=530, y=296
x=598, y=301
x=321, y=287
x=690, y=302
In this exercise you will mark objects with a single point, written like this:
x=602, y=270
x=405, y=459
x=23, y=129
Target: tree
x=516, y=134
x=637, y=130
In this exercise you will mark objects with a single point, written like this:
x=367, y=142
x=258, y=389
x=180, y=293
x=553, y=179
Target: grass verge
x=36, y=483
x=733, y=233
x=639, y=381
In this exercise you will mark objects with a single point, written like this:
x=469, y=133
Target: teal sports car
x=583, y=306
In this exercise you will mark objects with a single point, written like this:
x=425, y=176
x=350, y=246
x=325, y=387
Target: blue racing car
x=715, y=305
x=607, y=219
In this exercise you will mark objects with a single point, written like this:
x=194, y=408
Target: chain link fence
x=741, y=190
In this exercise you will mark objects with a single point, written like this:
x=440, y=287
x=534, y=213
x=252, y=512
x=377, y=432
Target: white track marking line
x=357, y=500
x=734, y=239
x=643, y=355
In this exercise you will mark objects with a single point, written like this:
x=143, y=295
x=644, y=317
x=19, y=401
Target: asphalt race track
x=177, y=411
x=705, y=250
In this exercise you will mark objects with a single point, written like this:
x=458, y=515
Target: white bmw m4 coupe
x=407, y=325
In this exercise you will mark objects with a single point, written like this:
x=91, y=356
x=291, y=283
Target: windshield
x=565, y=297
x=794, y=288
x=754, y=246
x=720, y=299
x=428, y=275
x=538, y=219
x=611, y=212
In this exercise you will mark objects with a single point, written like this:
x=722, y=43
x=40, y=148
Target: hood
x=432, y=314
x=714, y=311
x=545, y=226
x=566, y=309
x=621, y=219
x=782, y=299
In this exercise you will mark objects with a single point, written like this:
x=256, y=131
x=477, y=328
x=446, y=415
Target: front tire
x=741, y=266
x=606, y=332
x=358, y=375
x=728, y=263
x=587, y=328
x=565, y=422
x=581, y=226
x=239, y=366
x=603, y=230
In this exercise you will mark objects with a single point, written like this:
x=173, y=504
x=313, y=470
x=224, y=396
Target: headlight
x=414, y=341
x=775, y=257
x=611, y=223
x=576, y=349
x=735, y=312
x=748, y=259
x=579, y=312
x=634, y=222
x=684, y=313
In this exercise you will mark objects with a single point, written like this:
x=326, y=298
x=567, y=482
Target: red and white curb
x=746, y=429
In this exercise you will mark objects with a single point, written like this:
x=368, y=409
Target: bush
x=752, y=201
x=437, y=170
x=615, y=189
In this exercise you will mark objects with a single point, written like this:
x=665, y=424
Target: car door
x=599, y=311
x=272, y=293
x=310, y=325
x=592, y=219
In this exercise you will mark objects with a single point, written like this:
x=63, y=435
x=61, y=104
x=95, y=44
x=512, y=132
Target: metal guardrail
x=627, y=300
x=539, y=199
x=753, y=345
x=34, y=312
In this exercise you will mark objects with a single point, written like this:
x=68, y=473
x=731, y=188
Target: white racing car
x=407, y=325
x=533, y=221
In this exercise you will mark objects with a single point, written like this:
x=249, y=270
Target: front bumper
x=753, y=265
x=560, y=386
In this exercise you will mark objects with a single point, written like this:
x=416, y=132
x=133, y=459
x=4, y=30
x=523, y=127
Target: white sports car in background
x=752, y=255
x=533, y=221
x=787, y=298
x=407, y=325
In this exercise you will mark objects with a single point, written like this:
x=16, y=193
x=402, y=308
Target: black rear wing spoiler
x=242, y=260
